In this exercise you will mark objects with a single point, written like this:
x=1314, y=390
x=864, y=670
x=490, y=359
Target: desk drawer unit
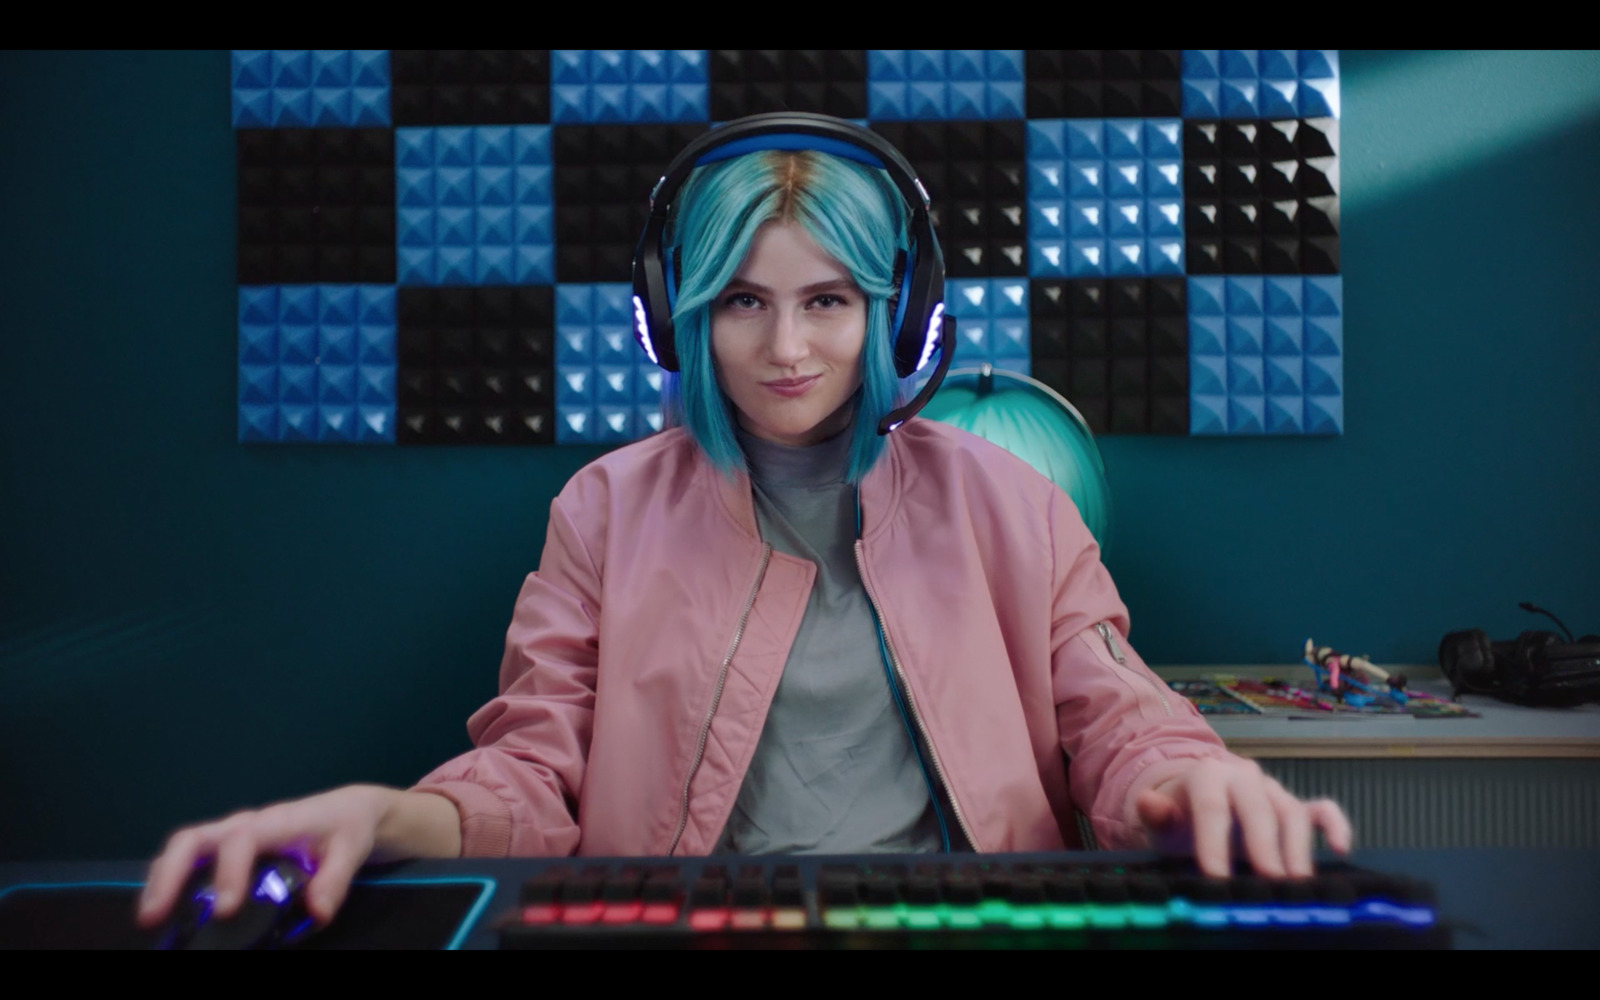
x=1456, y=802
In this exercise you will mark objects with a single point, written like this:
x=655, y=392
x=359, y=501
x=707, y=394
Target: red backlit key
x=711, y=919
x=660, y=913
x=541, y=913
x=748, y=920
x=621, y=913
x=581, y=913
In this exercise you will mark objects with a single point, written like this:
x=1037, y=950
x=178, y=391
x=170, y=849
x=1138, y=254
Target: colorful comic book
x=1223, y=694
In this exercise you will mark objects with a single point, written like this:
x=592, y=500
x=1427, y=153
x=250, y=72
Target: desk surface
x=1500, y=898
x=1503, y=730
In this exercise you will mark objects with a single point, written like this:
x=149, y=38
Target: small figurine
x=1354, y=680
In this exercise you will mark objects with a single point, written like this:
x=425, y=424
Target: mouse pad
x=376, y=915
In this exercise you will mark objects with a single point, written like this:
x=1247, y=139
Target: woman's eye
x=741, y=300
x=829, y=301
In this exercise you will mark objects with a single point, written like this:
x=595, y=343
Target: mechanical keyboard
x=1019, y=901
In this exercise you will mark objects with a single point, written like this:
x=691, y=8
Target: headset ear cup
x=1467, y=659
x=1530, y=642
x=1526, y=665
x=900, y=281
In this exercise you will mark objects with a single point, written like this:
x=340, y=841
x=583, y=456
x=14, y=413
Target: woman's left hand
x=1203, y=803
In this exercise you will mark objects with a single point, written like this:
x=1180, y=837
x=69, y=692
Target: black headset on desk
x=919, y=323
x=1535, y=668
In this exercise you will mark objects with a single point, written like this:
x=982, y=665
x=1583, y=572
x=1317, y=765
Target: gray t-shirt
x=835, y=771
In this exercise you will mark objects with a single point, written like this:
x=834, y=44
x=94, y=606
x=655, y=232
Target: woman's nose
x=787, y=345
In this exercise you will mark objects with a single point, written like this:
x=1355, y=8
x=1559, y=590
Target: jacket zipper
x=716, y=697
x=900, y=676
x=1116, y=654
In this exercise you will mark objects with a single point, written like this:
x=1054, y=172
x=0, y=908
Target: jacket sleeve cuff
x=485, y=819
x=1124, y=830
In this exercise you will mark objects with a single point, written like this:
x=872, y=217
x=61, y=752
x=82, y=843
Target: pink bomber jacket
x=643, y=654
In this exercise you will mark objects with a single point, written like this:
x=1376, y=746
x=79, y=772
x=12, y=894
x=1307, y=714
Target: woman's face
x=787, y=335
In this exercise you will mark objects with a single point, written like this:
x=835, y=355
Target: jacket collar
x=880, y=490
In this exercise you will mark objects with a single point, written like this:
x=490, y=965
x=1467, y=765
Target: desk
x=1515, y=777
x=1545, y=898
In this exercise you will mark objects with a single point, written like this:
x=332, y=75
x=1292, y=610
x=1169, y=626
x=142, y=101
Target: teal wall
x=188, y=626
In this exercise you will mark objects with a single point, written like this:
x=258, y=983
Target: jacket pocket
x=1110, y=648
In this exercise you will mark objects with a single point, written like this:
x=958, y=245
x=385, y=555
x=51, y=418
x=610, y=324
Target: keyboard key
x=922, y=889
x=543, y=888
x=662, y=887
x=1252, y=889
x=962, y=890
x=788, y=919
x=996, y=884
x=1203, y=889
x=788, y=890
x=881, y=890
x=1108, y=888
x=1334, y=889
x=583, y=889
x=747, y=919
x=1148, y=889
x=1371, y=886
x=713, y=919
x=749, y=892
x=1027, y=889
x=1295, y=890
x=708, y=892
x=839, y=889
x=622, y=887
x=1061, y=887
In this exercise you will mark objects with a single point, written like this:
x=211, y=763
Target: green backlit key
x=923, y=918
x=1028, y=918
x=880, y=918
x=964, y=918
x=839, y=919
x=1108, y=916
x=1068, y=917
x=1144, y=915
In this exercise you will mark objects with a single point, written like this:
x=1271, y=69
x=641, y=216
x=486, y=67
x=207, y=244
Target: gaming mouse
x=272, y=915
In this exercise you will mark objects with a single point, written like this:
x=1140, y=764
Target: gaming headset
x=919, y=323
x=1535, y=668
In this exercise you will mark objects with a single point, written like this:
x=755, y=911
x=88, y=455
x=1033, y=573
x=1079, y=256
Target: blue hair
x=855, y=215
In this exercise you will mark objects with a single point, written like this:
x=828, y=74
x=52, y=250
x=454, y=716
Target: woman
x=775, y=629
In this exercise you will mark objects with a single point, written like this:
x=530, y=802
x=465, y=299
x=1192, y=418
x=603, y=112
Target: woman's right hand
x=336, y=831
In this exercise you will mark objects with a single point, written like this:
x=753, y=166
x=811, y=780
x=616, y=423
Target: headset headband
x=918, y=327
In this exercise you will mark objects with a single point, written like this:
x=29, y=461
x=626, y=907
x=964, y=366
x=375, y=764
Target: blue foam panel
x=474, y=205
x=306, y=88
x=619, y=85
x=606, y=389
x=317, y=364
x=953, y=84
x=1105, y=197
x=1260, y=83
x=991, y=322
x=1266, y=355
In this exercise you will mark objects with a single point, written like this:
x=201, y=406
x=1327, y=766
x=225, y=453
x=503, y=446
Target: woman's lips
x=792, y=387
